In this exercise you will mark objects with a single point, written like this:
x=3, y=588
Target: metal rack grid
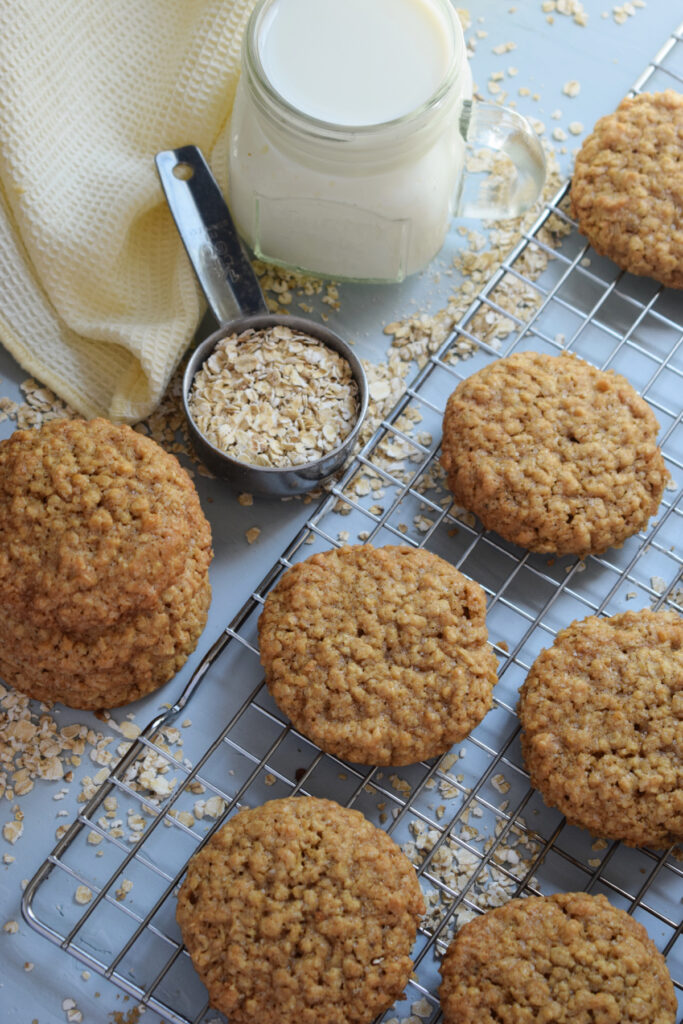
x=476, y=831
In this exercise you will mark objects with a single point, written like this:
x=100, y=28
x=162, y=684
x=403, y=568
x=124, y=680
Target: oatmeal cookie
x=553, y=454
x=627, y=187
x=379, y=655
x=95, y=520
x=115, y=665
x=300, y=912
x=104, y=555
x=570, y=958
x=602, y=718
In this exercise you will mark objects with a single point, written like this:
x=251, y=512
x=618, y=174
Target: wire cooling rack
x=476, y=831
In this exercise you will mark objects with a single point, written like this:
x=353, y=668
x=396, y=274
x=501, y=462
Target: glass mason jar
x=371, y=202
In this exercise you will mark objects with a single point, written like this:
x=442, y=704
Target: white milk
x=369, y=194
x=347, y=136
x=355, y=62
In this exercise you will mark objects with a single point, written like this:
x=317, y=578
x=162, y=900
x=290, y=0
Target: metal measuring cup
x=236, y=300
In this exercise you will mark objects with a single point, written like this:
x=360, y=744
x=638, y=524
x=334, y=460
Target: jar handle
x=486, y=125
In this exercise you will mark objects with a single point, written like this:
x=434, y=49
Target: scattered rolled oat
x=464, y=16
x=274, y=397
x=500, y=783
x=379, y=390
x=123, y=889
x=83, y=894
x=73, y=1014
x=623, y=12
x=455, y=865
x=422, y=1008
x=572, y=8
x=128, y=729
x=12, y=831
x=211, y=808
x=252, y=534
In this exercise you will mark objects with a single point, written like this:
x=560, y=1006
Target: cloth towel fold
x=97, y=297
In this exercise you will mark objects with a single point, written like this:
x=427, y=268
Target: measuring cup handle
x=486, y=125
x=209, y=234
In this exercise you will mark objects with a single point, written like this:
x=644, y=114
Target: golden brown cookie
x=104, y=555
x=570, y=958
x=94, y=522
x=627, y=186
x=602, y=714
x=300, y=912
x=553, y=454
x=379, y=655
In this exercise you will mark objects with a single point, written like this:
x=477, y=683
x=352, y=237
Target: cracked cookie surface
x=104, y=556
x=553, y=454
x=602, y=719
x=569, y=958
x=379, y=655
x=301, y=911
x=627, y=186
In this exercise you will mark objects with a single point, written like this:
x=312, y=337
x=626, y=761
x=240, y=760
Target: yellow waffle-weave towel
x=97, y=298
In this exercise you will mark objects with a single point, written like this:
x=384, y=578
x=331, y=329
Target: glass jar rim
x=273, y=100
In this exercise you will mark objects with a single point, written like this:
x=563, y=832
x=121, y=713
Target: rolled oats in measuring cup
x=349, y=131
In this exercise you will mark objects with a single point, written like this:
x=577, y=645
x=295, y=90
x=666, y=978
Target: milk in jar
x=347, y=135
x=360, y=62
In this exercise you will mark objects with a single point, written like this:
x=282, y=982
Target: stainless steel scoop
x=236, y=300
